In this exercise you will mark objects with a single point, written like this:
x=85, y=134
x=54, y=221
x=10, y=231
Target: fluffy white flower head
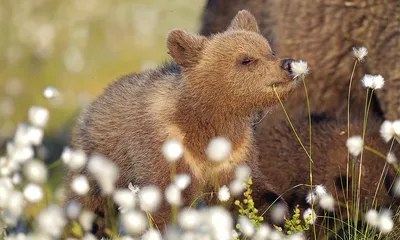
x=327, y=202
x=310, y=215
x=396, y=127
x=134, y=222
x=311, y=197
x=242, y=172
x=80, y=185
x=189, y=218
x=320, y=190
x=172, y=150
x=35, y=171
x=223, y=194
x=33, y=193
x=219, y=149
x=151, y=234
x=367, y=81
x=182, y=181
x=51, y=221
x=262, y=232
x=246, y=226
x=378, y=82
x=105, y=172
x=74, y=159
x=355, y=145
x=387, y=130
x=391, y=158
x=236, y=187
x=38, y=116
x=149, y=198
x=125, y=199
x=50, y=92
x=173, y=195
x=360, y=53
x=299, y=68
x=372, y=217
x=385, y=222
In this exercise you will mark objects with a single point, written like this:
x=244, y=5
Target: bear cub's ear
x=185, y=48
x=244, y=20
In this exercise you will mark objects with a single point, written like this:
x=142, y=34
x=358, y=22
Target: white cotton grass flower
x=367, y=81
x=262, y=232
x=189, y=219
x=297, y=236
x=5, y=191
x=360, y=53
x=35, y=171
x=219, y=222
x=310, y=215
x=172, y=150
x=182, y=181
x=125, y=199
x=396, y=127
x=74, y=159
x=223, y=194
x=173, y=195
x=89, y=236
x=149, y=198
x=355, y=145
x=278, y=212
x=372, y=217
x=378, y=82
x=391, y=158
x=320, y=190
x=38, y=116
x=73, y=209
x=276, y=235
x=151, y=234
x=235, y=234
x=33, y=193
x=80, y=185
x=105, y=172
x=18, y=154
x=218, y=149
x=327, y=202
x=51, y=221
x=299, y=68
x=16, y=203
x=134, y=222
x=385, y=223
x=396, y=187
x=311, y=197
x=50, y=92
x=85, y=219
x=237, y=187
x=387, y=131
x=246, y=226
x=242, y=172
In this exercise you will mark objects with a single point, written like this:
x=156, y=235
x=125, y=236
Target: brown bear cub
x=284, y=162
x=214, y=88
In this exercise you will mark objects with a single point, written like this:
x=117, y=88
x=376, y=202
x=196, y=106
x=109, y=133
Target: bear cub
x=214, y=87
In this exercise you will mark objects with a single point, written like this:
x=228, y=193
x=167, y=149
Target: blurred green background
x=78, y=47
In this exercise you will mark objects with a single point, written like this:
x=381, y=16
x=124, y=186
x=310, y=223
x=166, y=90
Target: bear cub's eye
x=247, y=61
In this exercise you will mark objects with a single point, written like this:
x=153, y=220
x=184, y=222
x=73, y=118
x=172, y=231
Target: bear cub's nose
x=286, y=64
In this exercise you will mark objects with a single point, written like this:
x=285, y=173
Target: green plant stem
x=348, y=136
x=291, y=124
x=310, y=136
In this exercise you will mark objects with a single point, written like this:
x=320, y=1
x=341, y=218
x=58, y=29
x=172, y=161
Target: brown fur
x=283, y=161
x=211, y=93
x=323, y=32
